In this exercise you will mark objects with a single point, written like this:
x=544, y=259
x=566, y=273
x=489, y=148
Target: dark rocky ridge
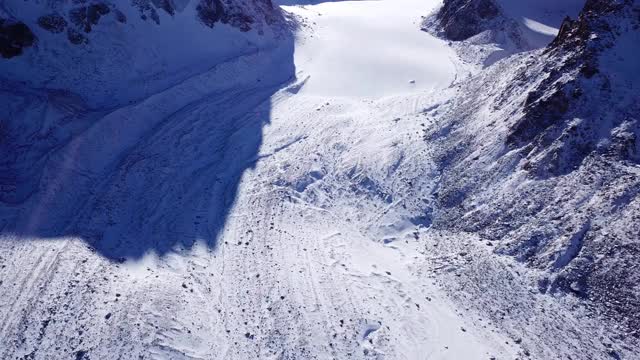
x=478, y=22
x=117, y=44
x=576, y=50
x=53, y=23
x=462, y=19
x=212, y=11
x=85, y=17
x=552, y=145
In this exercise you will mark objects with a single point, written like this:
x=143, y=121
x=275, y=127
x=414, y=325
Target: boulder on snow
x=15, y=36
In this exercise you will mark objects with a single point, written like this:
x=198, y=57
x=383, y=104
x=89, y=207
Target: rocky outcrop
x=114, y=51
x=570, y=124
x=462, y=19
x=474, y=23
x=85, y=17
x=80, y=20
x=210, y=12
x=579, y=49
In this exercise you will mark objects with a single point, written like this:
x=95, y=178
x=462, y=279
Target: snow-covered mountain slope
x=115, y=52
x=203, y=222
x=307, y=200
x=540, y=154
x=142, y=231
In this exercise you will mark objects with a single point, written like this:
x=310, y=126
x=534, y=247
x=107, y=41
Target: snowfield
x=369, y=49
x=274, y=206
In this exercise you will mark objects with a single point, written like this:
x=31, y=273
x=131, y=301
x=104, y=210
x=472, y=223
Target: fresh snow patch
x=540, y=27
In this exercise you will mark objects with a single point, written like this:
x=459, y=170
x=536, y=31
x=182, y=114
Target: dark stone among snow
x=53, y=23
x=86, y=16
x=14, y=37
x=210, y=11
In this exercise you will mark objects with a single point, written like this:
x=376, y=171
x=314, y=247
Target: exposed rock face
x=76, y=37
x=14, y=37
x=462, y=19
x=589, y=122
x=552, y=173
x=235, y=13
x=147, y=10
x=579, y=49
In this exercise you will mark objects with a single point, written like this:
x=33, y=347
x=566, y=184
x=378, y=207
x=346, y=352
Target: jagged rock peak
x=462, y=19
x=580, y=71
x=596, y=22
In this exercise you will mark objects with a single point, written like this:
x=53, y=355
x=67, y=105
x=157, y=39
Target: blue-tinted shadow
x=172, y=186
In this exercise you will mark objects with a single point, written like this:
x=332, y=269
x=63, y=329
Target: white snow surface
x=370, y=49
x=324, y=251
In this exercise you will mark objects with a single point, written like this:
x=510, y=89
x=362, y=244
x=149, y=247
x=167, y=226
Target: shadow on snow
x=165, y=189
